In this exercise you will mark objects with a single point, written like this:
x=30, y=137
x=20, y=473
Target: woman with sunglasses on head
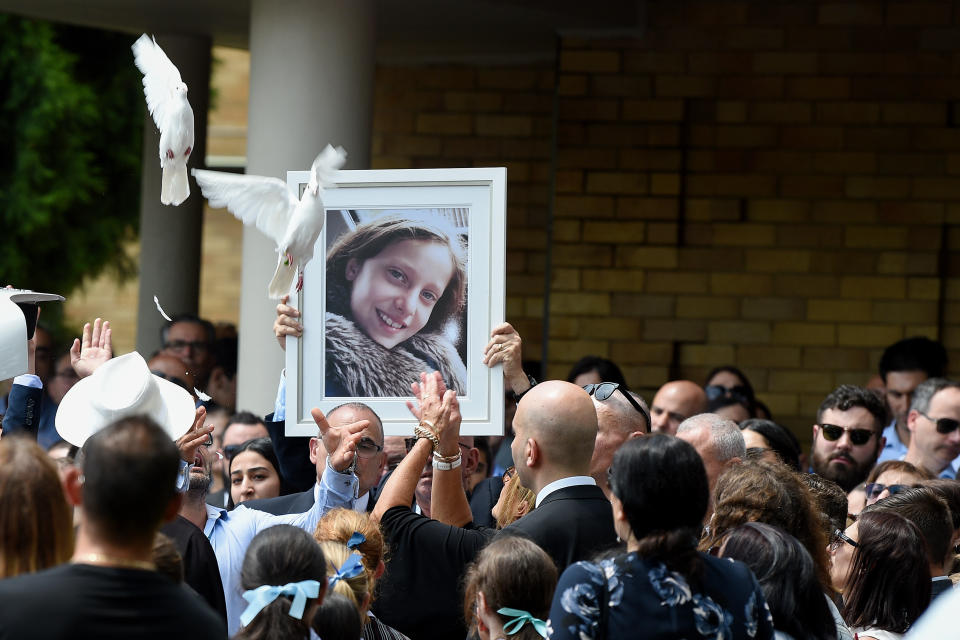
x=880, y=566
x=662, y=587
x=891, y=477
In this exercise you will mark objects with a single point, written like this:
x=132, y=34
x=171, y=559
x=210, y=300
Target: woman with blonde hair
x=342, y=534
x=36, y=523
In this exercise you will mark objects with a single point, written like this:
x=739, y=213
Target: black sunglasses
x=832, y=432
x=944, y=425
x=840, y=537
x=603, y=390
x=738, y=393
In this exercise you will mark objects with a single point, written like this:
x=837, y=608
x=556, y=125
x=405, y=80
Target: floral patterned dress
x=630, y=597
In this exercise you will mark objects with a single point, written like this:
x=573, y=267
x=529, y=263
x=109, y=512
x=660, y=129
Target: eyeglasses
x=180, y=382
x=508, y=474
x=832, y=432
x=840, y=537
x=738, y=393
x=944, y=425
x=604, y=390
x=181, y=345
x=367, y=448
x=874, y=489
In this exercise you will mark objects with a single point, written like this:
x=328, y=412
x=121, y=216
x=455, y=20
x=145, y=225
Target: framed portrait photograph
x=408, y=276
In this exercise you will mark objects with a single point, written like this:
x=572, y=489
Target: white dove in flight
x=267, y=203
x=167, y=102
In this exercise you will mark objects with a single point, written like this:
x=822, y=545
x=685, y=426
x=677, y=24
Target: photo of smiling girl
x=396, y=295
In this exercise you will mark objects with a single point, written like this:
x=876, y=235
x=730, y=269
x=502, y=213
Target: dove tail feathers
x=283, y=278
x=174, y=186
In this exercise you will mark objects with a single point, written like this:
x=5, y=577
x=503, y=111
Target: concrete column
x=311, y=83
x=170, y=237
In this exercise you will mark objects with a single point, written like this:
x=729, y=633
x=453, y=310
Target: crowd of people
x=136, y=500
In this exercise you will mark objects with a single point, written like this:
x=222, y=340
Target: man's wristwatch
x=533, y=383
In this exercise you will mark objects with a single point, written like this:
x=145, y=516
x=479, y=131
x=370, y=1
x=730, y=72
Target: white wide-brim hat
x=119, y=388
x=13, y=329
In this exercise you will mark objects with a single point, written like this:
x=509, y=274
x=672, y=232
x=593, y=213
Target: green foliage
x=71, y=118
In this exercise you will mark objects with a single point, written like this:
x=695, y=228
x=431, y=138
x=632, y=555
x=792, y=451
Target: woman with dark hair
x=507, y=591
x=662, y=587
x=285, y=577
x=788, y=578
x=594, y=370
x=760, y=491
x=776, y=443
x=254, y=472
x=730, y=382
x=880, y=565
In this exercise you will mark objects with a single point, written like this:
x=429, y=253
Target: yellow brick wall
x=760, y=184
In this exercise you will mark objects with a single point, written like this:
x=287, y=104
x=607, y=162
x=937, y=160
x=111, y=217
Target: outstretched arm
x=439, y=407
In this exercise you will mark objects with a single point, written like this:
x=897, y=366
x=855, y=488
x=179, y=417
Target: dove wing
x=256, y=200
x=160, y=76
x=325, y=166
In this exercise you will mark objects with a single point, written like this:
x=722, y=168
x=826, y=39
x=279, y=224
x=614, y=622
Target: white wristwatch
x=447, y=466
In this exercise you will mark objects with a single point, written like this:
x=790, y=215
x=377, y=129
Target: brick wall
x=764, y=184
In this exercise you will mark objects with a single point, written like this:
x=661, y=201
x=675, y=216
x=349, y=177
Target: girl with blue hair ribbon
x=508, y=590
x=284, y=574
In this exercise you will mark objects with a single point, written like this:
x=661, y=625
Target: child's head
x=355, y=587
x=339, y=525
x=278, y=556
x=397, y=276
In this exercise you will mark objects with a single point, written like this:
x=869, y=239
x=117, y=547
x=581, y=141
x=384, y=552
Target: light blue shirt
x=894, y=449
x=230, y=533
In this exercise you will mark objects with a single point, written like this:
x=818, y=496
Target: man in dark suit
x=556, y=427
x=369, y=463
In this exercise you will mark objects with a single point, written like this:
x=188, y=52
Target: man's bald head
x=675, y=402
x=617, y=421
x=560, y=420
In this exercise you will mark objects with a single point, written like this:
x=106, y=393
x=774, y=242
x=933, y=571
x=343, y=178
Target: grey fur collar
x=365, y=368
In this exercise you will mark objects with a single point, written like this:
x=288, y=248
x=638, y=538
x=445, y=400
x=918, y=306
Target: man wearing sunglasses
x=847, y=437
x=621, y=415
x=933, y=421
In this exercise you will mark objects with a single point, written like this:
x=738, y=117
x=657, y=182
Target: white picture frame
x=481, y=193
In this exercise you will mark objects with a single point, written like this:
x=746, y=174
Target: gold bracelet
x=440, y=458
x=421, y=432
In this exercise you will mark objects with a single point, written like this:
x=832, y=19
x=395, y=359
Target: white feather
x=156, y=301
x=201, y=395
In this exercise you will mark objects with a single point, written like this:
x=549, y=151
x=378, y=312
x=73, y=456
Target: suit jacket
x=571, y=524
x=293, y=503
x=939, y=586
x=31, y=412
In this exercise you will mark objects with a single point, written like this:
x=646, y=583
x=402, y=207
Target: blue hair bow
x=356, y=540
x=350, y=569
x=520, y=618
x=262, y=596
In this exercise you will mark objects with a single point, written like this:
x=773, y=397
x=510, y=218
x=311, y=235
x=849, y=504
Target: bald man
x=675, y=402
x=617, y=421
x=556, y=427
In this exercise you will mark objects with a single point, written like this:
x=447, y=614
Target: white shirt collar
x=562, y=483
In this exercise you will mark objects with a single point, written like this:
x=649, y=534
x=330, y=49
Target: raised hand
x=93, y=349
x=286, y=323
x=505, y=347
x=198, y=435
x=340, y=442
